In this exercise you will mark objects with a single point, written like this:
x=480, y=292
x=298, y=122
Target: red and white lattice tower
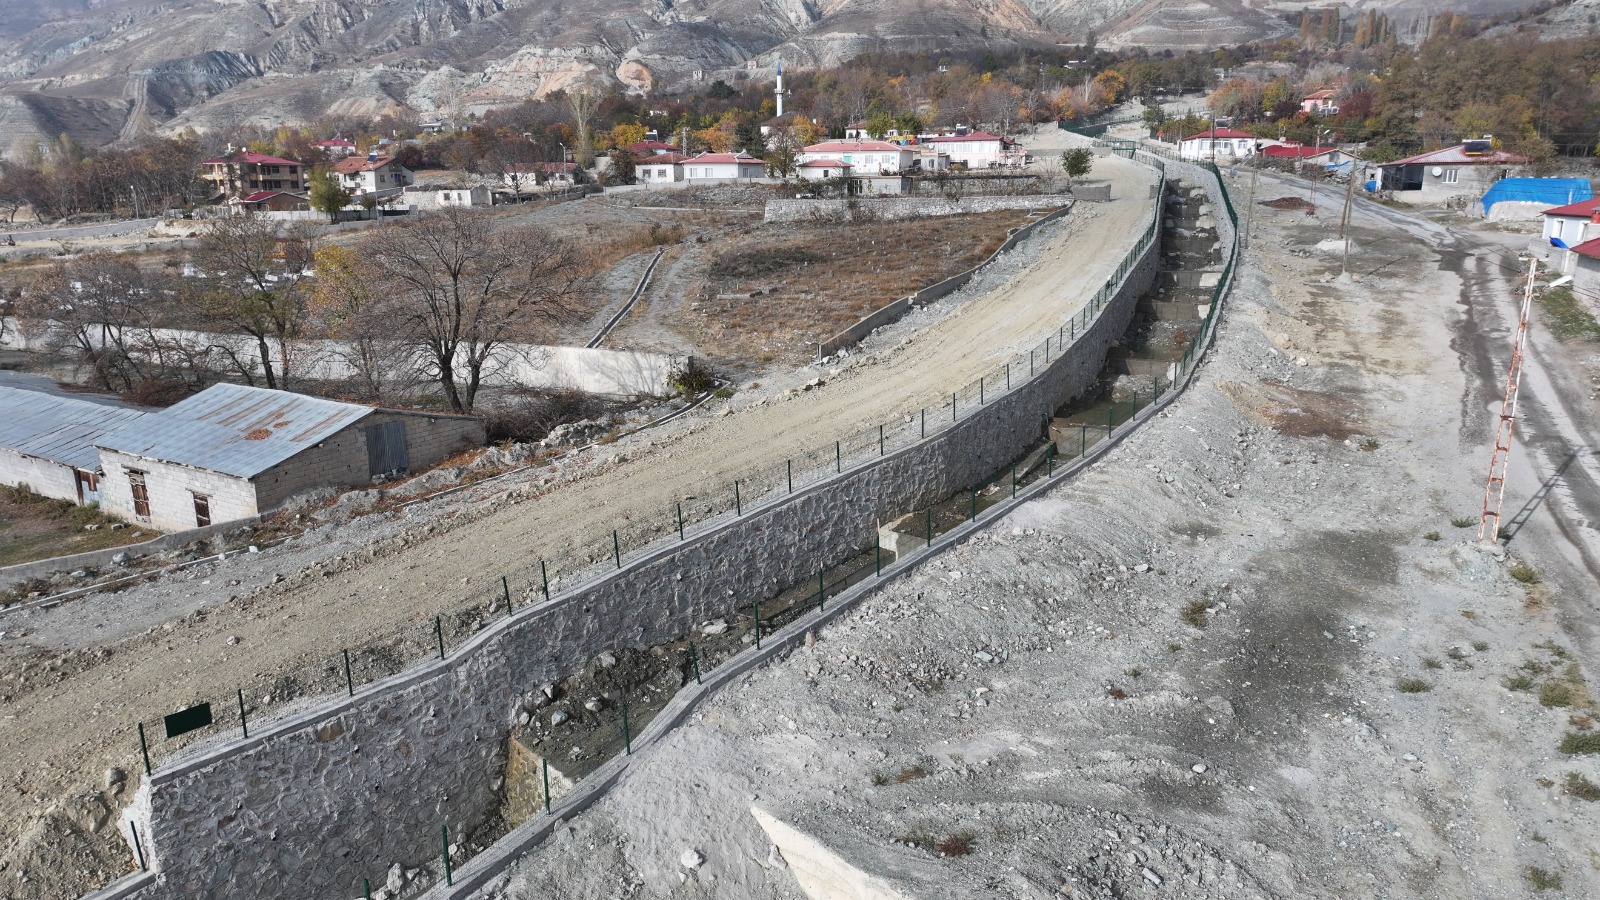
x=1494, y=493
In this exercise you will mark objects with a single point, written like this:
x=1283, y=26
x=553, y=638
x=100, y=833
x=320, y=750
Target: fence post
x=880, y=440
x=877, y=560
x=242, y=723
x=444, y=847
x=680, y=520
x=822, y=592
x=144, y=748
x=694, y=662
x=924, y=421
x=1083, y=441
x=952, y=406
x=974, y=503
x=366, y=889
x=438, y=630
x=1111, y=416
x=1008, y=376
x=505, y=588
x=981, y=380
x=755, y=609
x=627, y=738
x=1050, y=461
x=1030, y=361
x=838, y=457
x=349, y=682
x=789, y=464
x=616, y=547
x=930, y=526
x=1047, y=349
x=738, y=502
x=1013, y=482
x=544, y=766
x=544, y=576
x=138, y=848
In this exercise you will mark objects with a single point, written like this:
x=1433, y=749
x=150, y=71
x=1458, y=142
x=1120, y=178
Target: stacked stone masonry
x=309, y=805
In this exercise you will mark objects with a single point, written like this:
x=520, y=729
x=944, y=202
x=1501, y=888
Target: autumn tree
x=460, y=287
x=345, y=307
x=99, y=311
x=328, y=196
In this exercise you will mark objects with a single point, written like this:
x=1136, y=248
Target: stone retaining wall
x=307, y=806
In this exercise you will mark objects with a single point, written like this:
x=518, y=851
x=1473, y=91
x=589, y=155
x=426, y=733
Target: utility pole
x=1344, y=218
x=1250, y=205
x=1494, y=493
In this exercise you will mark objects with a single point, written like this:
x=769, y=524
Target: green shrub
x=1555, y=693
x=1412, y=686
x=1542, y=880
x=1577, y=742
x=1463, y=522
x=1578, y=786
x=1518, y=682
x=1195, y=612
x=1523, y=573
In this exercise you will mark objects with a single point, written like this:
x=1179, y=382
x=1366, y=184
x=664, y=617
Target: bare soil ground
x=1254, y=653
x=34, y=527
x=74, y=678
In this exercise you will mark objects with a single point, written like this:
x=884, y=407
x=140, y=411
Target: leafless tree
x=253, y=285
x=100, y=311
x=461, y=286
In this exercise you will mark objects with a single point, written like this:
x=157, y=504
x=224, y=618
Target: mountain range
x=107, y=69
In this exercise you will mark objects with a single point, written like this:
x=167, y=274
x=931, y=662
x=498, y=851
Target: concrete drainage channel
x=447, y=715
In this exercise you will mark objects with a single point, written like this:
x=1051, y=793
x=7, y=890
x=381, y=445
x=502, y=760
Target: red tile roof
x=826, y=164
x=247, y=156
x=1220, y=134
x=1324, y=94
x=1584, y=208
x=1298, y=151
x=662, y=159
x=353, y=164
x=1457, y=156
x=337, y=142
x=1590, y=248
x=964, y=138
x=652, y=147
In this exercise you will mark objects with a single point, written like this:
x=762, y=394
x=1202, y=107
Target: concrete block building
x=47, y=442
x=233, y=452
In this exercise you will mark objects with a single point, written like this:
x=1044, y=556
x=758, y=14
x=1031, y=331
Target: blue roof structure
x=1551, y=191
x=56, y=428
x=236, y=430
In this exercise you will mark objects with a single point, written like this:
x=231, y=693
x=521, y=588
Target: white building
x=435, y=197
x=978, y=149
x=1565, y=227
x=723, y=166
x=864, y=157
x=822, y=169
x=1222, y=144
x=372, y=174
x=662, y=168
x=47, y=442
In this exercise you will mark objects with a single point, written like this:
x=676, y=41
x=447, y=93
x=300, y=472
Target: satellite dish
x=1437, y=171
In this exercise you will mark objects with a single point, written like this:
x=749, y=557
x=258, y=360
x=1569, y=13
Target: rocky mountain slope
x=100, y=69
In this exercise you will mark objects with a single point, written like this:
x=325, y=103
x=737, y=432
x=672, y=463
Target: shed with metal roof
x=47, y=442
x=232, y=452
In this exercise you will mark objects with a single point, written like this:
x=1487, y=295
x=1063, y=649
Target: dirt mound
x=1287, y=203
x=1295, y=412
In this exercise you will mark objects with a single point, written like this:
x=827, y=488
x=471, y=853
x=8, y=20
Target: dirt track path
x=68, y=724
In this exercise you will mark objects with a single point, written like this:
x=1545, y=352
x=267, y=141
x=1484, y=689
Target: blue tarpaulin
x=1550, y=191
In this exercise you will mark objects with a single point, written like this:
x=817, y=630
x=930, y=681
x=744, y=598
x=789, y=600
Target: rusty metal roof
x=60, y=429
x=235, y=430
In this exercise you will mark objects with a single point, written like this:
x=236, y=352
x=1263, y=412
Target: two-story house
x=239, y=173
x=372, y=174
x=861, y=157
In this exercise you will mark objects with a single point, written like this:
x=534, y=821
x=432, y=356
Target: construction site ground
x=74, y=678
x=1253, y=652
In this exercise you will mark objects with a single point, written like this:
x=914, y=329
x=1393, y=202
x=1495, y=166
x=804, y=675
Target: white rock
x=1151, y=877
x=558, y=717
x=717, y=627
x=983, y=657
x=396, y=879
x=775, y=858
x=607, y=660
x=691, y=859
x=1198, y=768
x=593, y=704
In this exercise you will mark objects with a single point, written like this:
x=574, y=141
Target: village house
x=1585, y=267
x=651, y=148
x=337, y=148
x=239, y=173
x=271, y=201
x=372, y=174
x=822, y=169
x=1567, y=227
x=1224, y=145
x=866, y=157
x=232, y=452
x=1301, y=157
x=1468, y=169
x=723, y=166
x=665, y=168
x=432, y=196
x=47, y=442
x=978, y=149
x=1319, y=103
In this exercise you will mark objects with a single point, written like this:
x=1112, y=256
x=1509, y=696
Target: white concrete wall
x=42, y=476
x=171, y=489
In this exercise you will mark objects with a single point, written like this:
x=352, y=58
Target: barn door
x=386, y=448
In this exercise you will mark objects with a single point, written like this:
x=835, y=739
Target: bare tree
x=101, y=311
x=253, y=285
x=351, y=311
x=583, y=100
x=460, y=287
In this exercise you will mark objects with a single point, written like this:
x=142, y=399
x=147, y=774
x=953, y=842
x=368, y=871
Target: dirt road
x=159, y=648
x=1251, y=654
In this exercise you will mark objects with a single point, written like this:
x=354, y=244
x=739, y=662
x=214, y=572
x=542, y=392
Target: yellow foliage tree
x=626, y=135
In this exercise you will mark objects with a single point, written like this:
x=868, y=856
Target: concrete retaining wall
x=885, y=210
x=309, y=805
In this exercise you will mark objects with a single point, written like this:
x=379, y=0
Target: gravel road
x=1247, y=655
x=76, y=677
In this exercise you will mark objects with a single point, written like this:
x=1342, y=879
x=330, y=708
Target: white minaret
x=779, y=92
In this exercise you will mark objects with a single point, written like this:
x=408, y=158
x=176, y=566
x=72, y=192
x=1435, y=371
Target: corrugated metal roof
x=56, y=428
x=235, y=430
x=1457, y=156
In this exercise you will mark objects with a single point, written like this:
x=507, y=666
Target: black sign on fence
x=186, y=720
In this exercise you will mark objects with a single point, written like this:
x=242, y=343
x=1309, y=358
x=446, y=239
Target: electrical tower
x=1494, y=493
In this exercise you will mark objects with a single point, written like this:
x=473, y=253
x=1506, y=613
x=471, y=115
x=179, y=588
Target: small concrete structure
x=1223, y=145
x=435, y=197
x=660, y=168
x=47, y=442
x=231, y=452
x=1585, y=267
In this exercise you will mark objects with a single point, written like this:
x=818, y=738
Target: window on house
x=1450, y=175
x=202, y=510
x=141, y=493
